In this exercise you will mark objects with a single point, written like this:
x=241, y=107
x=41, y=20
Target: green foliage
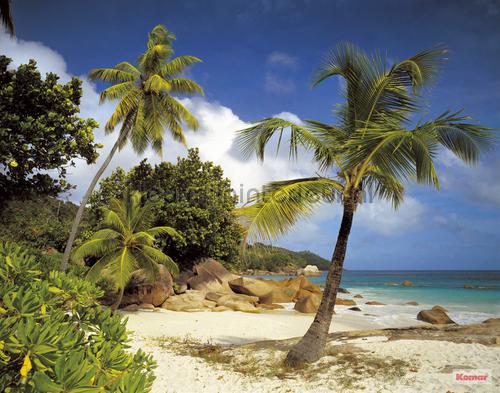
x=40, y=131
x=375, y=147
x=146, y=94
x=191, y=196
x=276, y=259
x=40, y=222
x=54, y=336
x=126, y=241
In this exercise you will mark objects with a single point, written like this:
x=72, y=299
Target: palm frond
x=159, y=257
x=274, y=211
x=378, y=184
x=178, y=65
x=111, y=75
x=185, y=86
x=255, y=139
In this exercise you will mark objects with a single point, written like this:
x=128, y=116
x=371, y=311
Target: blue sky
x=258, y=57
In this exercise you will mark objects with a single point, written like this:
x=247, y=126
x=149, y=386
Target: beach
x=176, y=340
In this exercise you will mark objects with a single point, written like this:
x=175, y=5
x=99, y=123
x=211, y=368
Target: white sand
x=186, y=374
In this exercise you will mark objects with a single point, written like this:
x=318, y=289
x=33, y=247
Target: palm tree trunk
x=83, y=204
x=115, y=306
x=311, y=347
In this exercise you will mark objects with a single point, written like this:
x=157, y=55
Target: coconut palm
x=125, y=242
x=6, y=16
x=374, y=149
x=146, y=105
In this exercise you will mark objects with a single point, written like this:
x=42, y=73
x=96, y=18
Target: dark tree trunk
x=83, y=204
x=311, y=347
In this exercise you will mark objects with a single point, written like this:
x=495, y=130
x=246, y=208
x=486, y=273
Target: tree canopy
x=192, y=196
x=41, y=133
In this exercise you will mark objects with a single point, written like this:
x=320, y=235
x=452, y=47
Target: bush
x=55, y=337
x=193, y=197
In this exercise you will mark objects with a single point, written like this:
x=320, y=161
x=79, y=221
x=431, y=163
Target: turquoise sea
x=430, y=287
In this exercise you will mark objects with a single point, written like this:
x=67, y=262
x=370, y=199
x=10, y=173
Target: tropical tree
x=146, y=105
x=125, y=242
x=374, y=148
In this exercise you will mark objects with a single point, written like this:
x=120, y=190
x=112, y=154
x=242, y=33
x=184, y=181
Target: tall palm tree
x=146, y=105
x=125, y=242
x=375, y=147
x=6, y=16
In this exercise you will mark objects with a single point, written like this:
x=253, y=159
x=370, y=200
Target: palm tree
x=375, y=148
x=146, y=105
x=125, y=242
x=6, y=16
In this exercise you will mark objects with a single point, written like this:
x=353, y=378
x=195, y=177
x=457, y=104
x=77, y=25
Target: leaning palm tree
x=374, y=149
x=146, y=105
x=125, y=242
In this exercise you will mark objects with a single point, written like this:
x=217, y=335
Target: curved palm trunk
x=116, y=304
x=310, y=348
x=81, y=208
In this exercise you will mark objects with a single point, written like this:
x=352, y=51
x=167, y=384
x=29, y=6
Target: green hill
x=263, y=257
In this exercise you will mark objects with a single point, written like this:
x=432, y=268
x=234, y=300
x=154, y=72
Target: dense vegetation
x=40, y=222
x=54, y=337
x=191, y=196
x=276, y=259
x=126, y=242
x=40, y=131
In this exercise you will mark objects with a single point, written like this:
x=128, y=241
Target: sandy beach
x=397, y=366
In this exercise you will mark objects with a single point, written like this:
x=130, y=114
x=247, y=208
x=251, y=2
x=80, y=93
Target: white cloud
x=281, y=59
x=215, y=138
x=276, y=84
x=379, y=216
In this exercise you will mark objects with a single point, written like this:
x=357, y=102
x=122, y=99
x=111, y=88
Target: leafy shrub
x=55, y=337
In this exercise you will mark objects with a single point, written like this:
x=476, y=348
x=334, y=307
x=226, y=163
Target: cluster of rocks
x=309, y=270
x=210, y=286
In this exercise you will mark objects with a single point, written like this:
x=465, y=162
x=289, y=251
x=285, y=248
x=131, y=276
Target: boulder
x=252, y=286
x=210, y=276
x=269, y=306
x=309, y=270
x=238, y=302
x=495, y=321
x=308, y=304
x=354, y=309
x=180, y=288
x=190, y=301
x=358, y=296
x=141, y=289
x=183, y=277
x=309, y=286
x=374, y=303
x=470, y=286
x=146, y=306
x=220, y=309
x=131, y=307
x=343, y=290
x=303, y=293
x=436, y=317
x=344, y=302
x=411, y=303
x=279, y=295
x=407, y=283
x=439, y=308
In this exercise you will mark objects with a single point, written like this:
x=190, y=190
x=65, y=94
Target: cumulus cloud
x=479, y=184
x=215, y=139
x=282, y=59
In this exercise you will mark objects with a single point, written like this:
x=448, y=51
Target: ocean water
x=430, y=287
